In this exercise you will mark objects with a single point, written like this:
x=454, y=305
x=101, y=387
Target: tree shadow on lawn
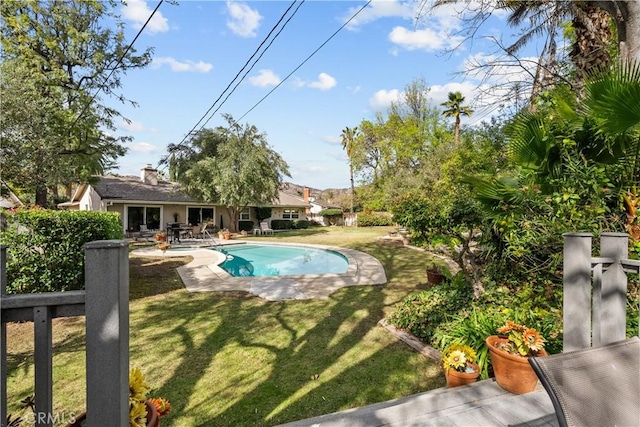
x=149, y=276
x=291, y=359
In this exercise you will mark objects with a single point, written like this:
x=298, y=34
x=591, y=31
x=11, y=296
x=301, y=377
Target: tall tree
x=56, y=57
x=233, y=166
x=349, y=136
x=455, y=109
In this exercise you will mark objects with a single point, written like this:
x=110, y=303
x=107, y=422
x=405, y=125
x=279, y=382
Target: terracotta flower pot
x=434, y=277
x=513, y=373
x=456, y=378
x=153, y=419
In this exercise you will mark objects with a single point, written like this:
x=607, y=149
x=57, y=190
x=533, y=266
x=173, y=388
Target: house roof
x=7, y=198
x=133, y=188
x=285, y=199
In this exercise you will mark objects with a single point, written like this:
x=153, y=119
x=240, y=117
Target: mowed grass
x=232, y=359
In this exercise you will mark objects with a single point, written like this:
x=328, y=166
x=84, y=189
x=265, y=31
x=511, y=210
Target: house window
x=200, y=215
x=290, y=214
x=149, y=215
x=244, y=215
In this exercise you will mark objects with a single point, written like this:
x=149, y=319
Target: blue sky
x=199, y=46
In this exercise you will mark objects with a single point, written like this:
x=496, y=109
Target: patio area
x=480, y=404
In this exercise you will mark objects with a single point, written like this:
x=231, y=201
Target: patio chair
x=264, y=228
x=196, y=232
x=597, y=386
x=145, y=232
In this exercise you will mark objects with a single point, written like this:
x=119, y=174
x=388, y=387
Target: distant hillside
x=329, y=195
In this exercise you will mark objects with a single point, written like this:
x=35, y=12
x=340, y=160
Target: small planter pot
x=226, y=236
x=455, y=378
x=513, y=373
x=153, y=419
x=434, y=277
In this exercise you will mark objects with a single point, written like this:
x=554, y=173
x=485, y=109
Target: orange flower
x=533, y=339
x=162, y=405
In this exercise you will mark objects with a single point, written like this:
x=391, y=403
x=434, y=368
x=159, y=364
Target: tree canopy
x=57, y=55
x=233, y=166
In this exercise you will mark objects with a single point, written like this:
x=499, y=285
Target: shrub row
x=374, y=219
x=287, y=224
x=45, y=247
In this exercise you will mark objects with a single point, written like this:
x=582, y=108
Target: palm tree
x=456, y=109
x=349, y=136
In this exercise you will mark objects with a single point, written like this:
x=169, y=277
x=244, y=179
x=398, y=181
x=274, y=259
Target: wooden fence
x=105, y=303
x=595, y=290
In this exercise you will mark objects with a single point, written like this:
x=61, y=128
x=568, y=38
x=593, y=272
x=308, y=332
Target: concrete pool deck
x=204, y=275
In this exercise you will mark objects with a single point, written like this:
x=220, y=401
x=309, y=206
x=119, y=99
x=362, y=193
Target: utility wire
x=238, y=74
x=251, y=68
x=119, y=61
x=308, y=57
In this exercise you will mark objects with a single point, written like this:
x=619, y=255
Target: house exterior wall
x=91, y=201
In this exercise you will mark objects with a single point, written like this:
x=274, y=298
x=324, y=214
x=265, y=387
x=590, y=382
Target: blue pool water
x=262, y=260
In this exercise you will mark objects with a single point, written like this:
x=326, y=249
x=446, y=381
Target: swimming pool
x=270, y=260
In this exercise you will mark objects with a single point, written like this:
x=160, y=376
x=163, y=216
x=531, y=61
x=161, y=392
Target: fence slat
x=43, y=346
x=3, y=339
x=614, y=288
x=107, y=313
x=576, y=315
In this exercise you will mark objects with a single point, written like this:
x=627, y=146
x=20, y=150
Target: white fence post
x=614, y=288
x=576, y=304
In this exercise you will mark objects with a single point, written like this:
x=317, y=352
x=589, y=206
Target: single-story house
x=156, y=203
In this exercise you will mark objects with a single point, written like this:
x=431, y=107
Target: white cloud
x=131, y=126
x=244, y=21
x=440, y=93
x=142, y=147
x=324, y=82
x=138, y=12
x=200, y=67
x=379, y=9
x=425, y=39
x=333, y=140
x=383, y=98
x=265, y=78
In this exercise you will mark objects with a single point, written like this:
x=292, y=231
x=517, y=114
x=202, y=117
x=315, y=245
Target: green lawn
x=232, y=359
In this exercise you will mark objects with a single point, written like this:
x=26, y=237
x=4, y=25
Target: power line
x=119, y=61
x=308, y=57
x=251, y=68
x=241, y=70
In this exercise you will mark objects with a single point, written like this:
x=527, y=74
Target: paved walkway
x=204, y=275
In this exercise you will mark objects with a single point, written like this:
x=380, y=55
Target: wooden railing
x=595, y=290
x=105, y=303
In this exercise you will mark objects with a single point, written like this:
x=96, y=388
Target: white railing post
x=614, y=288
x=576, y=304
x=107, y=313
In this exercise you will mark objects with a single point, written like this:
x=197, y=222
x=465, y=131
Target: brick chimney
x=305, y=195
x=149, y=175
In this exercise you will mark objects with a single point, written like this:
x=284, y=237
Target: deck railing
x=595, y=290
x=105, y=303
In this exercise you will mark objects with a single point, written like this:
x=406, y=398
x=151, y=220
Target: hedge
x=374, y=220
x=245, y=226
x=281, y=224
x=45, y=247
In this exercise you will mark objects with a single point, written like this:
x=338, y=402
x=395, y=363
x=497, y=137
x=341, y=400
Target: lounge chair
x=264, y=228
x=596, y=386
x=145, y=232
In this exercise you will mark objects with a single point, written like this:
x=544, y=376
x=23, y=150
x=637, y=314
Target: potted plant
x=161, y=236
x=509, y=351
x=459, y=365
x=142, y=410
x=435, y=274
x=163, y=247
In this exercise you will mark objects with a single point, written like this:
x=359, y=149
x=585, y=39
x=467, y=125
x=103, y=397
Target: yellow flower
x=137, y=414
x=137, y=387
x=457, y=357
x=523, y=341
